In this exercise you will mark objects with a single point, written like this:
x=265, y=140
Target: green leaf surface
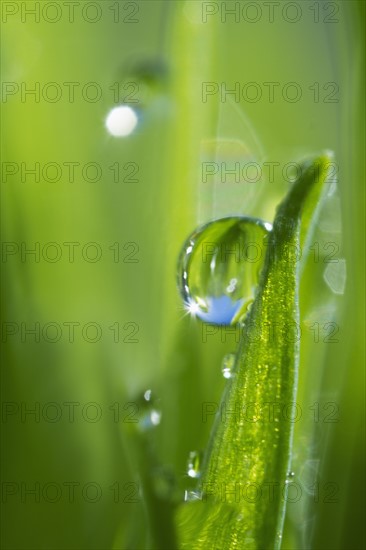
x=245, y=475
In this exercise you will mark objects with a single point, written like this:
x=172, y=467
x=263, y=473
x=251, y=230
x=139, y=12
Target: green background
x=173, y=355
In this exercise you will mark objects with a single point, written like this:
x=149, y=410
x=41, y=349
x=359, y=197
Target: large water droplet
x=227, y=365
x=219, y=267
x=193, y=464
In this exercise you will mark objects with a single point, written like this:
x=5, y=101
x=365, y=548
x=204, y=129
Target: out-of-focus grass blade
x=231, y=166
x=245, y=474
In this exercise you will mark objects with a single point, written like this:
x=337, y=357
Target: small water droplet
x=139, y=90
x=147, y=395
x=121, y=121
x=289, y=477
x=155, y=417
x=194, y=464
x=227, y=366
x=150, y=419
x=219, y=267
x=150, y=415
x=190, y=496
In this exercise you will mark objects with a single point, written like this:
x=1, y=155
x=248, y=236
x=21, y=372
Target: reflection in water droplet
x=190, y=496
x=121, y=121
x=227, y=366
x=219, y=267
x=193, y=464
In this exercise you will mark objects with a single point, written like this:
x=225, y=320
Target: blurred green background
x=130, y=331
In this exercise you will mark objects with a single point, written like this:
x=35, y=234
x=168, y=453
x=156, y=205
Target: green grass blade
x=246, y=468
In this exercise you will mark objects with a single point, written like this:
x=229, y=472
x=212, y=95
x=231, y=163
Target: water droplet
x=227, y=366
x=121, y=121
x=289, y=477
x=190, y=496
x=155, y=417
x=193, y=464
x=147, y=395
x=150, y=414
x=141, y=86
x=219, y=267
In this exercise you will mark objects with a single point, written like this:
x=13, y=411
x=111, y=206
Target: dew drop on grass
x=194, y=464
x=136, y=91
x=289, y=477
x=121, y=121
x=228, y=365
x=219, y=266
x=191, y=496
x=150, y=413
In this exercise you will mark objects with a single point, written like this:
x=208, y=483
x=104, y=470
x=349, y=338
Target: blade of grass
x=245, y=473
